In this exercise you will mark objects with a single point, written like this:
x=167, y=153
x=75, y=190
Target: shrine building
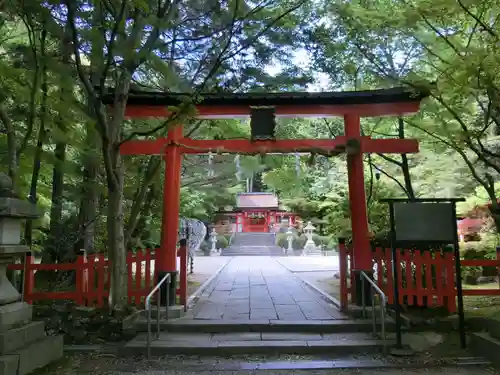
x=254, y=212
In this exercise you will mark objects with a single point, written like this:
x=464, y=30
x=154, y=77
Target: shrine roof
x=257, y=200
x=154, y=98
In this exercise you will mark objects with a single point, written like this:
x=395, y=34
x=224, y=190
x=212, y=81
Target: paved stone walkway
x=259, y=288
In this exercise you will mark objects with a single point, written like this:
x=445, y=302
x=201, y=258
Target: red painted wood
x=130, y=276
x=183, y=287
x=90, y=279
x=166, y=257
x=440, y=290
x=147, y=276
x=481, y=292
x=344, y=292
x=429, y=285
x=389, y=291
x=29, y=278
x=138, y=277
x=79, y=267
x=410, y=289
x=100, y=280
x=419, y=285
x=200, y=146
x=378, y=258
x=449, y=260
x=203, y=111
x=357, y=200
x=479, y=263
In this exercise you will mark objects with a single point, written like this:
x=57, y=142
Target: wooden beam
x=214, y=112
x=242, y=146
x=389, y=146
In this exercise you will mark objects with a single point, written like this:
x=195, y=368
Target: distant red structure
x=254, y=212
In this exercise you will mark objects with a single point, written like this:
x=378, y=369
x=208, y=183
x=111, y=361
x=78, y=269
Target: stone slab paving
x=311, y=263
x=259, y=288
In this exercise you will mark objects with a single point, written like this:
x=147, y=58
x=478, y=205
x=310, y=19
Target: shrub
x=321, y=240
x=299, y=242
x=205, y=246
x=222, y=242
x=281, y=240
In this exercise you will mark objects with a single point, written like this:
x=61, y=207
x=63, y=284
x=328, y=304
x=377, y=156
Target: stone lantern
x=213, y=239
x=289, y=237
x=309, y=230
x=24, y=346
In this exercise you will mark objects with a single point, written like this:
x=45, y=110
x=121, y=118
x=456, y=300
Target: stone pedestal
x=24, y=347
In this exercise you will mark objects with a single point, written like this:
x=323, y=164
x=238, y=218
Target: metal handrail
x=383, y=304
x=147, y=307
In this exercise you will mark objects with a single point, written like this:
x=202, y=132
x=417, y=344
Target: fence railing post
x=344, y=291
x=183, y=274
x=498, y=265
x=29, y=278
x=80, y=278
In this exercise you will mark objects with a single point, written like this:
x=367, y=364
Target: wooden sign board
x=425, y=222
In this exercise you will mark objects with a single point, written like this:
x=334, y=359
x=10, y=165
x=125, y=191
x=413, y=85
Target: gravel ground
x=109, y=365
x=471, y=371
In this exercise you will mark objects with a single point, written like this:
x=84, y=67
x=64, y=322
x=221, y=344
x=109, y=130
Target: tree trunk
x=55, y=240
x=151, y=172
x=11, y=146
x=140, y=228
x=115, y=170
x=33, y=196
x=56, y=244
x=116, y=238
x=405, y=168
x=89, y=204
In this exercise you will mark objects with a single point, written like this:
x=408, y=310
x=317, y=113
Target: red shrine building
x=254, y=212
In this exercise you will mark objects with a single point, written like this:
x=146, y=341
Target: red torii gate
x=351, y=105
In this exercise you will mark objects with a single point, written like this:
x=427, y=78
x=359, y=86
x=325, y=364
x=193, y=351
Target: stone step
x=253, y=239
x=254, y=343
x=18, y=337
x=482, y=343
x=174, y=312
x=252, y=251
x=33, y=356
x=305, y=326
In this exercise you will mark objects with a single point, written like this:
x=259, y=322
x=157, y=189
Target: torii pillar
x=166, y=259
x=362, y=255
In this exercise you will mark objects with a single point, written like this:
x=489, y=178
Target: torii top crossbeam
x=351, y=105
x=369, y=103
x=396, y=101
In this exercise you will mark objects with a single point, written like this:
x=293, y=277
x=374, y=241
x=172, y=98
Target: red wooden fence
x=426, y=278
x=92, y=278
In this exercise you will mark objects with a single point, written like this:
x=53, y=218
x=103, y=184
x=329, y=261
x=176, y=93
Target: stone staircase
x=252, y=244
x=486, y=342
x=225, y=338
x=24, y=346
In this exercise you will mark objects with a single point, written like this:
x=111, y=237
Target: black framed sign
x=425, y=222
